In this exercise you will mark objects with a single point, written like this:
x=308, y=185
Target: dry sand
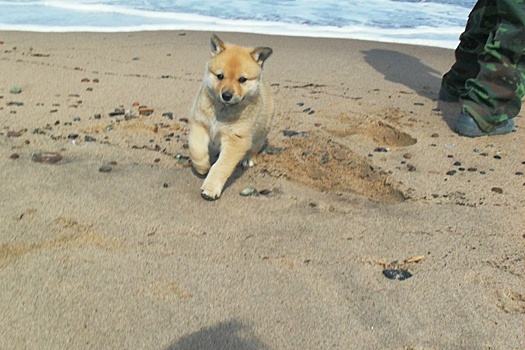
x=135, y=259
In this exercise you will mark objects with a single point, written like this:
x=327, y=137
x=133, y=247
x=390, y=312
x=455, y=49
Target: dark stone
x=395, y=274
x=497, y=190
x=168, y=115
x=106, y=168
x=273, y=150
x=46, y=157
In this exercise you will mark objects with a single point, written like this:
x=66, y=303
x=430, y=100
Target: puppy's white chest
x=214, y=131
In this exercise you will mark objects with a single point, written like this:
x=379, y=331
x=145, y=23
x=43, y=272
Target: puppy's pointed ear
x=217, y=46
x=260, y=54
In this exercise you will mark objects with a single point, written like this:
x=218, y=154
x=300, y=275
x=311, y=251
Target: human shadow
x=225, y=335
x=407, y=70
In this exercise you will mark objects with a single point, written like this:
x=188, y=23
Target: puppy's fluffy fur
x=231, y=115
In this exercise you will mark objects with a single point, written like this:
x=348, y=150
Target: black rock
x=106, y=168
x=46, y=157
x=290, y=133
x=273, y=150
x=394, y=274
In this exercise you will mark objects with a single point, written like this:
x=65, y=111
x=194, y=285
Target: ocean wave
x=421, y=23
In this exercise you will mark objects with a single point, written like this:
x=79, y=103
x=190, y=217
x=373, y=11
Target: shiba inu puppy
x=231, y=115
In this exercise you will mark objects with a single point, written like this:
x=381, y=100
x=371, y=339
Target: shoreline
x=363, y=34
x=134, y=258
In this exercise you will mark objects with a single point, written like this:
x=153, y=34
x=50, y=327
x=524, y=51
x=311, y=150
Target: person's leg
x=494, y=96
x=482, y=19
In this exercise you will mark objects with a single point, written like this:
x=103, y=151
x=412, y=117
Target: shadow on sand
x=409, y=71
x=225, y=335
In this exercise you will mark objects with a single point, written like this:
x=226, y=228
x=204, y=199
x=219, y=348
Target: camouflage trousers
x=489, y=72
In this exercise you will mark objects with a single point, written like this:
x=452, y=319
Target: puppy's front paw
x=201, y=169
x=209, y=192
x=208, y=197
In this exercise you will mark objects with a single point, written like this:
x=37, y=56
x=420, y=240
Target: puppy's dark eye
x=242, y=80
x=220, y=76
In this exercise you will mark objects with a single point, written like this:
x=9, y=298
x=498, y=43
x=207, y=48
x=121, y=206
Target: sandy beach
x=105, y=242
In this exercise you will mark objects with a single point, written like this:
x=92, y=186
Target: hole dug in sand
x=381, y=134
x=325, y=165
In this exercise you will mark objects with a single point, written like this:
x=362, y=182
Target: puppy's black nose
x=227, y=96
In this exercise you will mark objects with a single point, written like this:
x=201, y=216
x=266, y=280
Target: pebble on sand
x=144, y=110
x=106, y=168
x=395, y=274
x=184, y=161
x=12, y=133
x=248, y=191
x=46, y=157
x=273, y=150
x=497, y=190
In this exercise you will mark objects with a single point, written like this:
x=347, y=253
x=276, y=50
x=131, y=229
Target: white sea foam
x=431, y=22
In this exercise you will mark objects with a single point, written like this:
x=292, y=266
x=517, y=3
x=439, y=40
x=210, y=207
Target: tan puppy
x=231, y=115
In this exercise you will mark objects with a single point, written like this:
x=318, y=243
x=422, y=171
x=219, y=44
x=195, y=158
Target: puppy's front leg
x=198, y=142
x=233, y=150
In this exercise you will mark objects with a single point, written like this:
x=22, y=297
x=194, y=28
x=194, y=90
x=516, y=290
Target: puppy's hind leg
x=198, y=142
x=251, y=158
